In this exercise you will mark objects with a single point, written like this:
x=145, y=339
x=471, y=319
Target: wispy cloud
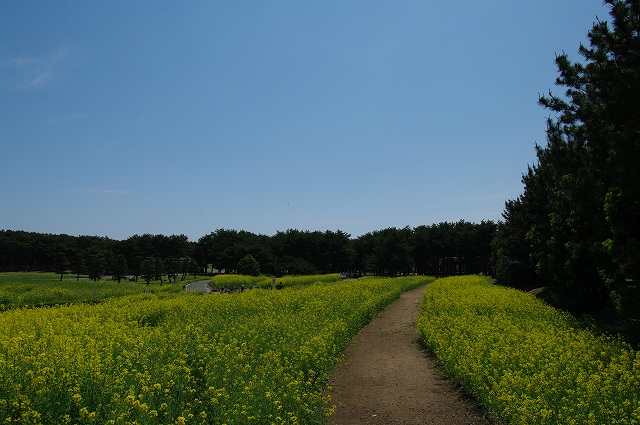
x=39, y=71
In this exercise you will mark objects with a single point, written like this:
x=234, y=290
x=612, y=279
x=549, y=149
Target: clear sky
x=182, y=117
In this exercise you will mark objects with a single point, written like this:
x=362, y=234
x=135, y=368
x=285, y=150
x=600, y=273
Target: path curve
x=387, y=377
x=202, y=286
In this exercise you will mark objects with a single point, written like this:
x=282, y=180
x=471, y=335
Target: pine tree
x=601, y=114
x=581, y=201
x=61, y=264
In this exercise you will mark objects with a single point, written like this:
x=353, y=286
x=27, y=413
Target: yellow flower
x=134, y=352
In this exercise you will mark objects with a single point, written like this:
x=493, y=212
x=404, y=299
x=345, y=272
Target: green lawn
x=10, y=277
x=37, y=289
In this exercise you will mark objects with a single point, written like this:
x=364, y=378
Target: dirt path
x=202, y=286
x=388, y=378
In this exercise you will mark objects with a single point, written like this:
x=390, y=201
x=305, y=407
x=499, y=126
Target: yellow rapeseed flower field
x=525, y=361
x=235, y=281
x=260, y=356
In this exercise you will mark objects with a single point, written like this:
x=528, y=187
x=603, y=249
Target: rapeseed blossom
x=259, y=356
x=525, y=361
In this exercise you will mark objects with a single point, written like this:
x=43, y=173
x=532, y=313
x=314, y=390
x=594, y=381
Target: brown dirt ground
x=387, y=377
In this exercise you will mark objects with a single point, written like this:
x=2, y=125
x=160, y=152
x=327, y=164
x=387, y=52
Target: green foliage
x=248, y=266
x=391, y=251
x=62, y=264
x=439, y=249
x=151, y=269
x=525, y=361
x=576, y=224
x=120, y=268
x=96, y=264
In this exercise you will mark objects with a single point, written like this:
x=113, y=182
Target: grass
x=38, y=289
x=31, y=277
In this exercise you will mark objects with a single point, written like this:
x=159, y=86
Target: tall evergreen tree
x=96, y=264
x=61, y=264
x=119, y=267
x=581, y=204
x=510, y=249
x=601, y=115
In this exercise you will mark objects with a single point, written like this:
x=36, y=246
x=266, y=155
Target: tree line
x=576, y=226
x=439, y=249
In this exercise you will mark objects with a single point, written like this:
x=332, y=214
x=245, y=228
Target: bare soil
x=388, y=377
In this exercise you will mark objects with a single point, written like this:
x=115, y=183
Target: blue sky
x=120, y=118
